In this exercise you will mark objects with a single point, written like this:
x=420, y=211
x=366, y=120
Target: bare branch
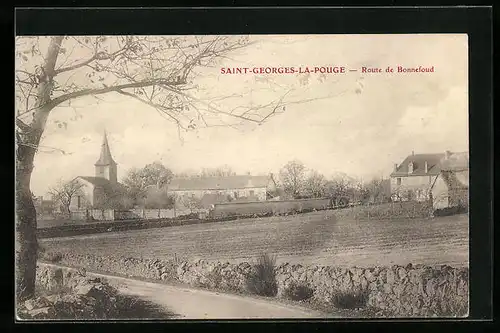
x=99, y=91
x=155, y=106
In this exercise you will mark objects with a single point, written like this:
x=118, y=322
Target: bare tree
x=315, y=184
x=376, y=190
x=138, y=180
x=292, y=177
x=159, y=71
x=222, y=171
x=340, y=190
x=63, y=192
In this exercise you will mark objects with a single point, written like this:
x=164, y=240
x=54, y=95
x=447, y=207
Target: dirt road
x=190, y=303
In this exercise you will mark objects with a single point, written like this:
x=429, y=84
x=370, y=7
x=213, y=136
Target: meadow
x=312, y=238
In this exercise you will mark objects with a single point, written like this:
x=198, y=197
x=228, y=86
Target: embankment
x=409, y=291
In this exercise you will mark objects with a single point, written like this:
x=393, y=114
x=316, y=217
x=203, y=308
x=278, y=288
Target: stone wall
x=411, y=291
x=71, y=294
x=131, y=214
x=269, y=207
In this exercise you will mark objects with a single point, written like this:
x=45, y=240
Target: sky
x=355, y=123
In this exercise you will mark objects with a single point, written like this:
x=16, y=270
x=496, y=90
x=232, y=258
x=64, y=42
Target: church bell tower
x=106, y=167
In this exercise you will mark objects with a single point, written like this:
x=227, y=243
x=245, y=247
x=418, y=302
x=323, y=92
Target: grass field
x=313, y=238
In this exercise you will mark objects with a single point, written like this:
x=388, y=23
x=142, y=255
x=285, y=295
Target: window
x=398, y=181
x=235, y=194
x=252, y=192
x=78, y=201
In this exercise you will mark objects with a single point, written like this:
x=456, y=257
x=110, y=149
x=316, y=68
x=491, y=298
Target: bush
x=451, y=211
x=53, y=257
x=262, y=281
x=298, y=292
x=351, y=299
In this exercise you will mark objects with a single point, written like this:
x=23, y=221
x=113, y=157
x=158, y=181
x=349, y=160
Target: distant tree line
x=296, y=182
x=147, y=187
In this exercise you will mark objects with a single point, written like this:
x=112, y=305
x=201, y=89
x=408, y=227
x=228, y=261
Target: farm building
x=413, y=178
x=103, y=189
x=213, y=190
x=451, y=186
x=444, y=178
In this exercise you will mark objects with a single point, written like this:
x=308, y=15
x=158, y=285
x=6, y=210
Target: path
x=200, y=304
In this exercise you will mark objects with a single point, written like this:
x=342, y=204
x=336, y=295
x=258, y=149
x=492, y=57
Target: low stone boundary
x=410, y=291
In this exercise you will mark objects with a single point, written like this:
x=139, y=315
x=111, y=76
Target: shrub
x=298, y=292
x=350, y=299
x=53, y=257
x=262, y=281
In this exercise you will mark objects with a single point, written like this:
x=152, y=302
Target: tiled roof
x=214, y=183
x=105, y=158
x=107, y=186
x=433, y=165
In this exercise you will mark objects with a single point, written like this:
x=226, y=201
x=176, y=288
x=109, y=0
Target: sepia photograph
x=215, y=177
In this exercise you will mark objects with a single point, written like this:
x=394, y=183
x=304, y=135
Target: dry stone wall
x=409, y=291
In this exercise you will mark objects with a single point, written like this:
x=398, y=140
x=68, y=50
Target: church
x=103, y=190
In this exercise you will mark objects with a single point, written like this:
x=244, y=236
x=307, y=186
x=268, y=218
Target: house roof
x=105, y=158
x=433, y=165
x=214, y=183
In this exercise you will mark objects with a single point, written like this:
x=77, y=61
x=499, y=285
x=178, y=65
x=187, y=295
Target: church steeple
x=105, y=157
x=105, y=167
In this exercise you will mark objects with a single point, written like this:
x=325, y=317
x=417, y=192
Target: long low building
x=223, y=189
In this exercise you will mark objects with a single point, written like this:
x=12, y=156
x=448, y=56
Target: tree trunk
x=25, y=233
x=27, y=143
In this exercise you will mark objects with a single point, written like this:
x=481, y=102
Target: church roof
x=103, y=183
x=105, y=158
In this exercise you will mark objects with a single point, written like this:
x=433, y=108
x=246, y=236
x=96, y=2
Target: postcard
x=242, y=176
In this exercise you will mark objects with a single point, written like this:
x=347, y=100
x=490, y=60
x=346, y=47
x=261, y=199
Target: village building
x=103, y=189
x=412, y=179
x=423, y=177
x=451, y=187
x=211, y=190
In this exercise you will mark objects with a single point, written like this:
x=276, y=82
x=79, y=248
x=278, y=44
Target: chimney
x=426, y=167
x=395, y=167
x=447, y=154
